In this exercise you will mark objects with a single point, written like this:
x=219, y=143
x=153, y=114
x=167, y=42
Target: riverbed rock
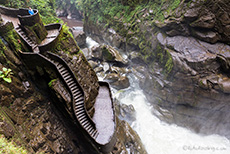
x=108, y=53
x=112, y=77
x=80, y=37
x=127, y=140
x=121, y=83
x=93, y=64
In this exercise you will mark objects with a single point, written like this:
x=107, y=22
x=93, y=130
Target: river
x=159, y=137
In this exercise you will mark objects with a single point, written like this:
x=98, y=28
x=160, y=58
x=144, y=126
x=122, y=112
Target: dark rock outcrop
x=187, y=69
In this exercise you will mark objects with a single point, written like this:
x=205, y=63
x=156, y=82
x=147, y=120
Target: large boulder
x=79, y=36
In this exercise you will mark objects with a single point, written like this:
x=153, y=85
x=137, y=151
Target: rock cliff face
x=29, y=115
x=186, y=56
x=35, y=106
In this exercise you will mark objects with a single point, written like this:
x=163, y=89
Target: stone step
x=73, y=86
x=91, y=130
x=65, y=73
x=85, y=123
x=77, y=98
x=80, y=99
x=88, y=127
x=81, y=114
x=71, y=82
x=78, y=109
x=78, y=103
x=94, y=133
x=67, y=77
x=82, y=117
x=76, y=91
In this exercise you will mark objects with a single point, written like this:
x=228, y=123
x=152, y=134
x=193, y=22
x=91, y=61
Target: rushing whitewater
x=159, y=137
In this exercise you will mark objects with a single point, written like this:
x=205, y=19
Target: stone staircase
x=78, y=99
x=28, y=40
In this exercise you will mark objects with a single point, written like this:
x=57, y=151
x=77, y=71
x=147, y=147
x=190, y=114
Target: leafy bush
x=5, y=74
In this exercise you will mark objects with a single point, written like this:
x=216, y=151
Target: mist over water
x=159, y=137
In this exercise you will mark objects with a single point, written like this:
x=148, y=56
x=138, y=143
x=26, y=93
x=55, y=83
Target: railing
x=60, y=60
x=28, y=20
x=9, y=11
x=50, y=45
x=23, y=38
x=12, y=12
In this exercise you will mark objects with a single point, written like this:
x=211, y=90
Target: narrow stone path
x=6, y=19
x=104, y=116
x=52, y=34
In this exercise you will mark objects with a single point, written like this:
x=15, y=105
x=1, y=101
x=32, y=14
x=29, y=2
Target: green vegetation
x=106, y=54
x=126, y=10
x=10, y=147
x=47, y=8
x=168, y=63
x=5, y=74
x=50, y=84
x=66, y=41
x=134, y=20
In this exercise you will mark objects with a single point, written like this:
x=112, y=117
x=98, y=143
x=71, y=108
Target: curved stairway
x=77, y=97
x=28, y=40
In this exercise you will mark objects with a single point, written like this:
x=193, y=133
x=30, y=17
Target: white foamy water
x=161, y=138
x=90, y=42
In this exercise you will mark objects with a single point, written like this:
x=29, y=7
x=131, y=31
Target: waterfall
x=159, y=137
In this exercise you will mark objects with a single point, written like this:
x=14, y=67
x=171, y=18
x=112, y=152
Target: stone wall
x=51, y=45
x=86, y=78
x=30, y=117
x=183, y=73
x=33, y=26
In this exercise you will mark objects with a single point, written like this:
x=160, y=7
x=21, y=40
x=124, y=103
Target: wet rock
x=135, y=57
x=116, y=40
x=193, y=92
x=121, y=83
x=205, y=21
x=208, y=36
x=80, y=37
x=107, y=53
x=224, y=62
x=119, y=70
x=225, y=86
x=128, y=113
x=98, y=69
x=87, y=53
x=96, y=52
x=127, y=140
x=93, y=64
x=106, y=67
x=112, y=77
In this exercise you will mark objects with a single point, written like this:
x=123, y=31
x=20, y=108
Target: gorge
x=169, y=73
